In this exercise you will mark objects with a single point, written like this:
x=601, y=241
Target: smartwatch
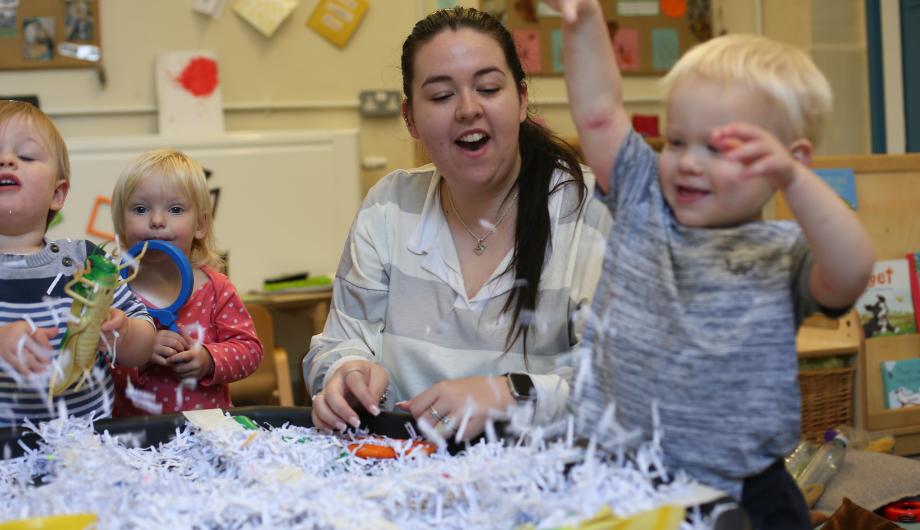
x=521, y=386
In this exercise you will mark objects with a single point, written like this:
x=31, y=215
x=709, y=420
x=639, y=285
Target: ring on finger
x=434, y=414
x=445, y=427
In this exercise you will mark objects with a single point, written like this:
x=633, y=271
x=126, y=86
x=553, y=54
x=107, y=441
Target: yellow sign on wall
x=336, y=20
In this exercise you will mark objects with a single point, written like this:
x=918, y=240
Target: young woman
x=460, y=281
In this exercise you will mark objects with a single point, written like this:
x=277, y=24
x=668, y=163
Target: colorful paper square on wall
x=626, y=48
x=337, y=20
x=674, y=8
x=528, y=47
x=558, y=58
x=665, y=48
x=637, y=8
x=265, y=15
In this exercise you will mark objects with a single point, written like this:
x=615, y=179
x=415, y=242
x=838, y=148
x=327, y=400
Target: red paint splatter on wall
x=199, y=77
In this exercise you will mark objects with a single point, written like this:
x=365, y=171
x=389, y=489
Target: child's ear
x=801, y=150
x=201, y=229
x=60, y=195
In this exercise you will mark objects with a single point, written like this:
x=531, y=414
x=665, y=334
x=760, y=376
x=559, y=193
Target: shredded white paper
x=295, y=477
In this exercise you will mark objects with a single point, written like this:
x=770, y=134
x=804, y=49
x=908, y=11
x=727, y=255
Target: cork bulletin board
x=648, y=36
x=49, y=34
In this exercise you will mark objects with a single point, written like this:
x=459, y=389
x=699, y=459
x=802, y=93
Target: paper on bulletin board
x=558, y=51
x=188, y=92
x=637, y=8
x=546, y=10
x=626, y=49
x=337, y=20
x=655, y=32
x=527, y=42
x=265, y=15
x=665, y=48
x=8, y=18
x=674, y=8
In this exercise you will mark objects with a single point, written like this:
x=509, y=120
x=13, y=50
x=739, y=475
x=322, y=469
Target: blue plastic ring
x=167, y=316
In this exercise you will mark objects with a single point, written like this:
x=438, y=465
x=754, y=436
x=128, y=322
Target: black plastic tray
x=160, y=429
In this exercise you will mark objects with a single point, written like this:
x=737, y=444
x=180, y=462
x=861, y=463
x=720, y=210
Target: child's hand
x=167, y=344
x=759, y=151
x=116, y=321
x=30, y=355
x=569, y=8
x=195, y=363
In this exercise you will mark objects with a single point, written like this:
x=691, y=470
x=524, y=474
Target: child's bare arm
x=136, y=337
x=842, y=252
x=594, y=85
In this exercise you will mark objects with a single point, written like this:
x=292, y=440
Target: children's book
x=901, y=382
x=886, y=307
x=913, y=268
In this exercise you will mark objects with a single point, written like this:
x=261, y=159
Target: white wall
x=296, y=80
x=287, y=199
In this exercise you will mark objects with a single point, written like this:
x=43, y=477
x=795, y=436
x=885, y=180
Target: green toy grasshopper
x=92, y=290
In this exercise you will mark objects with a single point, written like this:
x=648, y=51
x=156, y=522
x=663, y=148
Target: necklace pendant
x=479, y=248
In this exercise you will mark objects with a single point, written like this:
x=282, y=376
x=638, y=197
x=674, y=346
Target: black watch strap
x=521, y=386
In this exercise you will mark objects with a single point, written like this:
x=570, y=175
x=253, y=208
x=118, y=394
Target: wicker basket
x=827, y=400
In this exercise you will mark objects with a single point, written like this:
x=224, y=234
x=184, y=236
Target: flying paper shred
x=265, y=15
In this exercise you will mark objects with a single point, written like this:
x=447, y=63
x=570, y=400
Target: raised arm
x=842, y=251
x=594, y=85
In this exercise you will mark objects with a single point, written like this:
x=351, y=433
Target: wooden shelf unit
x=888, y=204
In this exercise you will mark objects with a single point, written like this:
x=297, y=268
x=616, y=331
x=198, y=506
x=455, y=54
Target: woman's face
x=466, y=108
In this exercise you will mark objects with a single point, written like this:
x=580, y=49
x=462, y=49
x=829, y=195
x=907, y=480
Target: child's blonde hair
x=46, y=132
x=179, y=170
x=782, y=72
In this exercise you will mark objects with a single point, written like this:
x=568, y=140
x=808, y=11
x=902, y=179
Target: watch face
x=521, y=386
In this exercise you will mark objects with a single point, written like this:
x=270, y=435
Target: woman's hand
x=353, y=383
x=445, y=404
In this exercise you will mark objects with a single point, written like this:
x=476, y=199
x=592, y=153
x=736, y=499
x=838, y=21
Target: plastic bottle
x=799, y=458
x=856, y=438
x=824, y=465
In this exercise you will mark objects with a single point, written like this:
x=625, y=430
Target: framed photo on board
x=648, y=36
x=49, y=34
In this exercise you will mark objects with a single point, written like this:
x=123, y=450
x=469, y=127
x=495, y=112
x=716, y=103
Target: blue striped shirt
x=32, y=288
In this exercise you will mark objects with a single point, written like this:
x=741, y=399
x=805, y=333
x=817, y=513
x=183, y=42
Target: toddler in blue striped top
x=34, y=181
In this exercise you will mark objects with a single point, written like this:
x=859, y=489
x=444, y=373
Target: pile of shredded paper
x=295, y=477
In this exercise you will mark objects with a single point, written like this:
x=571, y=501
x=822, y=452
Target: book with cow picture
x=886, y=307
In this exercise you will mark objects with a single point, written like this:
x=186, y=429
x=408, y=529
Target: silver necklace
x=480, y=247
